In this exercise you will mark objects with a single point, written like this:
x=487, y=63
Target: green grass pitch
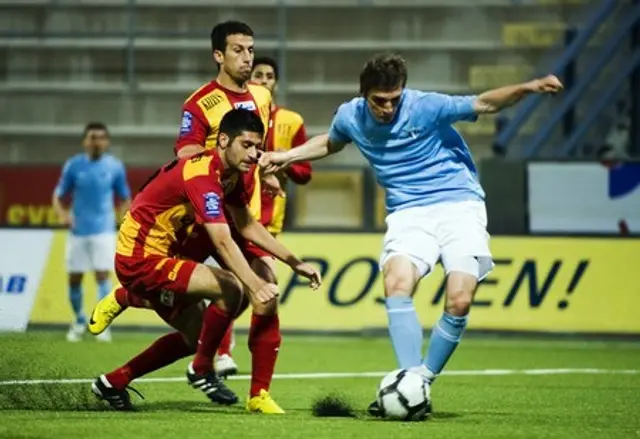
x=497, y=388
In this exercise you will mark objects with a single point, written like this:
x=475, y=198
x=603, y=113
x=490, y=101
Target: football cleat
x=104, y=313
x=75, y=333
x=263, y=403
x=226, y=366
x=212, y=386
x=118, y=399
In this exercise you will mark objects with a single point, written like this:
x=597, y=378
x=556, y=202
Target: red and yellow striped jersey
x=177, y=196
x=286, y=131
x=203, y=111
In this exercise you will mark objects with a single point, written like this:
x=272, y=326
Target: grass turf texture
x=503, y=406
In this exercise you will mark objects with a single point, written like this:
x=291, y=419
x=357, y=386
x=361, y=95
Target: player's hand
x=272, y=162
x=271, y=185
x=266, y=293
x=548, y=84
x=308, y=271
x=66, y=219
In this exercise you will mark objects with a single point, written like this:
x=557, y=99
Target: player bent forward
x=434, y=201
x=177, y=196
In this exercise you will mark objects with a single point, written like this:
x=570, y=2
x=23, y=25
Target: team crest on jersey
x=212, y=204
x=245, y=105
x=186, y=124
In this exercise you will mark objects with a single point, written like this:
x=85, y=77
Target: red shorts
x=198, y=247
x=153, y=274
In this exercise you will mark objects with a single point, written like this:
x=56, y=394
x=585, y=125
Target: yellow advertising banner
x=538, y=284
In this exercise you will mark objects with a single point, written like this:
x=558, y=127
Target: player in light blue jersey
x=434, y=201
x=90, y=181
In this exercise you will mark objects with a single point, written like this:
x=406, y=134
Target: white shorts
x=447, y=232
x=91, y=252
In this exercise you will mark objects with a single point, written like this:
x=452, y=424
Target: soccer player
x=286, y=130
x=90, y=180
x=434, y=201
x=201, y=190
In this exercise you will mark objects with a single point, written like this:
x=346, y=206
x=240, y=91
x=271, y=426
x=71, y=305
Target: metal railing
x=577, y=40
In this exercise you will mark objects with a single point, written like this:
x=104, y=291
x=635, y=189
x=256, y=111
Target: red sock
x=225, y=344
x=264, y=343
x=215, y=323
x=126, y=299
x=161, y=353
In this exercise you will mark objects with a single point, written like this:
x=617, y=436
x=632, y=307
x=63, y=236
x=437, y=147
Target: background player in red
x=286, y=130
x=232, y=46
x=179, y=195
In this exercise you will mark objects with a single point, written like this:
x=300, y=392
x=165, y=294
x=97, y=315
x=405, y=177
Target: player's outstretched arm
x=315, y=148
x=234, y=259
x=253, y=231
x=493, y=101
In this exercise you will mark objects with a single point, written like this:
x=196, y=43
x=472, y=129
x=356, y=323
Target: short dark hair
x=384, y=71
x=267, y=61
x=221, y=31
x=95, y=126
x=236, y=121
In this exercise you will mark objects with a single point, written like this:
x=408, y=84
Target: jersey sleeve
x=299, y=173
x=206, y=195
x=66, y=183
x=445, y=109
x=120, y=185
x=194, y=127
x=338, y=132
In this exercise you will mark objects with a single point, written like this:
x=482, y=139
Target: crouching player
x=179, y=195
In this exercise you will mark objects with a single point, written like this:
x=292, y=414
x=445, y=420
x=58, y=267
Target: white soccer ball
x=404, y=395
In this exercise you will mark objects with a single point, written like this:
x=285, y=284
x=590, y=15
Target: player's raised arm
x=493, y=101
x=253, y=231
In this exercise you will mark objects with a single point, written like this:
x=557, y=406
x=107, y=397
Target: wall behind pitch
x=581, y=285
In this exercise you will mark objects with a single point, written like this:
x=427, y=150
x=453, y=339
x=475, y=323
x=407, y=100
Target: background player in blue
x=90, y=181
x=435, y=205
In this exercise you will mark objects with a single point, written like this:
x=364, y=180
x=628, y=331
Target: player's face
x=242, y=153
x=264, y=75
x=384, y=103
x=96, y=142
x=237, y=58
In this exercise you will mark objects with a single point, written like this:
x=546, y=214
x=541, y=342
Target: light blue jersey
x=418, y=158
x=92, y=185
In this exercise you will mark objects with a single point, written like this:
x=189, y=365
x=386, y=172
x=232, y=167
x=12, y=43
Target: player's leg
x=409, y=252
x=112, y=387
x=111, y=306
x=264, y=342
x=467, y=260
x=77, y=261
x=102, y=250
x=225, y=364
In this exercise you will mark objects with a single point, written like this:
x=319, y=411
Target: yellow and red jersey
x=202, y=114
x=286, y=131
x=179, y=195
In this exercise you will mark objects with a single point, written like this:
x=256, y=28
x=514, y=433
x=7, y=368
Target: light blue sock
x=104, y=286
x=75, y=297
x=405, y=331
x=445, y=337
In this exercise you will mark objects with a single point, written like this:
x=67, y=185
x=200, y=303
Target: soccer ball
x=404, y=395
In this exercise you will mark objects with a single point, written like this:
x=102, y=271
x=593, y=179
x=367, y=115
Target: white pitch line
x=310, y=376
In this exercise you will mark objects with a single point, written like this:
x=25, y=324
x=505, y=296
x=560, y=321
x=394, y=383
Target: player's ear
x=223, y=140
x=218, y=56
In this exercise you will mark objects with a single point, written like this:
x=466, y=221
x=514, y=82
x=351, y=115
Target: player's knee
x=231, y=292
x=458, y=302
x=266, y=309
x=244, y=304
x=101, y=276
x=75, y=279
x=398, y=284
